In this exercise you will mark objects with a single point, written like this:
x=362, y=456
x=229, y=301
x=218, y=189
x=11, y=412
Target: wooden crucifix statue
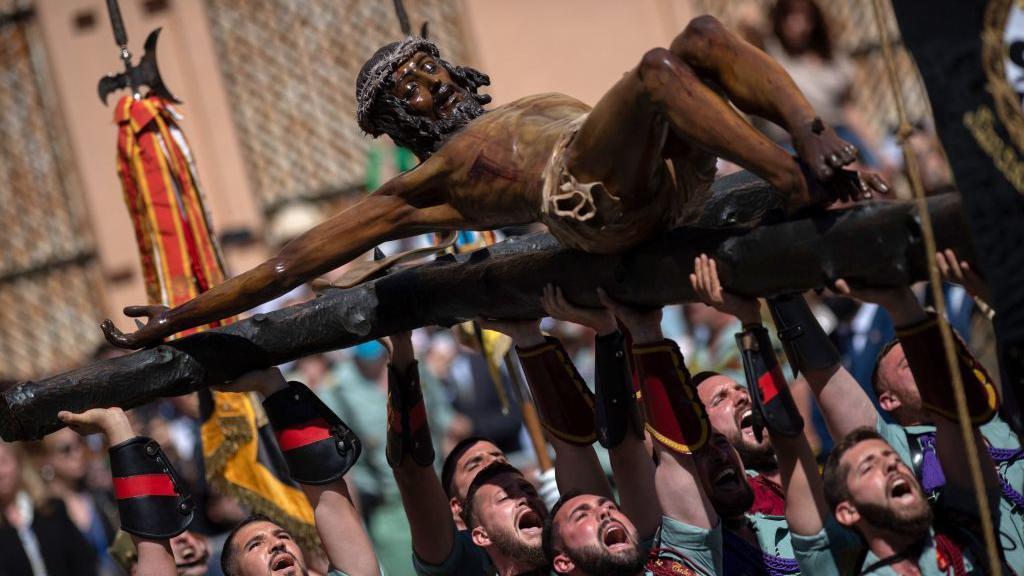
x=602, y=179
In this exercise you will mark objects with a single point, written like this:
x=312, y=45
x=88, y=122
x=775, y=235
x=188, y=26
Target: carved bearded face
x=426, y=88
x=407, y=91
x=429, y=104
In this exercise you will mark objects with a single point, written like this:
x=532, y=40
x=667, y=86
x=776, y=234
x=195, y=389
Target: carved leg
x=758, y=85
x=621, y=139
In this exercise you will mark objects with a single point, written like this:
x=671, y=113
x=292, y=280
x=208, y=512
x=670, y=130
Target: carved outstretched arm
x=396, y=210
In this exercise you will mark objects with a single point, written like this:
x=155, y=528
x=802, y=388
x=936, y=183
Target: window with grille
x=290, y=69
x=50, y=301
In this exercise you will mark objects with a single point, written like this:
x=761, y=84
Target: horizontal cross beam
x=758, y=254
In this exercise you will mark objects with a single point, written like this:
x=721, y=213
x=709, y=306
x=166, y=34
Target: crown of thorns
x=376, y=74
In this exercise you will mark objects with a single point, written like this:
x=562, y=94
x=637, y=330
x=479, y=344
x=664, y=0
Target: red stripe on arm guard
x=922, y=345
x=151, y=502
x=675, y=415
x=303, y=434
x=769, y=391
x=143, y=485
x=769, y=382
x=565, y=404
x=408, y=427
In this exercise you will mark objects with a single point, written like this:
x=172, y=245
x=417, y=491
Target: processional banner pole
x=180, y=259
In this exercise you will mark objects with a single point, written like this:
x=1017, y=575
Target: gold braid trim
x=229, y=430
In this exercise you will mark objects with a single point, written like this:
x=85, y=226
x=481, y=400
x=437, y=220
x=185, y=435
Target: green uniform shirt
x=833, y=551
x=928, y=563
x=466, y=558
x=998, y=435
x=697, y=547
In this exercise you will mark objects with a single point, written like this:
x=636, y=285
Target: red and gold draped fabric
x=179, y=256
x=180, y=259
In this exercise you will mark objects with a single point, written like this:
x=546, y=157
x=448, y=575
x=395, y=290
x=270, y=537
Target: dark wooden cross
x=758, y=254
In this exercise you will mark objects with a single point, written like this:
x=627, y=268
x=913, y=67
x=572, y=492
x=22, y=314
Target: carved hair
x=381, y=112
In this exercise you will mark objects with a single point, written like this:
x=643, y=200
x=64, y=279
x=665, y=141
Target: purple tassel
x=743, y=558
x=932, y=477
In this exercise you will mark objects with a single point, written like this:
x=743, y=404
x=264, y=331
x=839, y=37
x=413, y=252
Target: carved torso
x=496, y=177
x=499, y=158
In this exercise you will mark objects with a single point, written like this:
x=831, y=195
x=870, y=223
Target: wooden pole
x=877, y=243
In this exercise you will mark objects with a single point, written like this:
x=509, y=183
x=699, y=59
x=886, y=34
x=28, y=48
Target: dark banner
x=971, y=56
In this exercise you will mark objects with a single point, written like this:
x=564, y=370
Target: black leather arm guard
x=408, y=429
x=616, y=412
x=318, y=447
x=151, y=499
x=769, y=391
x=806, y=345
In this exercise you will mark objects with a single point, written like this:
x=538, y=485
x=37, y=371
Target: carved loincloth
x=587, y=216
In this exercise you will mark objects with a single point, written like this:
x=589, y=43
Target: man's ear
x=562, y=564
x=889, y=401
x=847, y=514
x=456, y=508
x=480, y=537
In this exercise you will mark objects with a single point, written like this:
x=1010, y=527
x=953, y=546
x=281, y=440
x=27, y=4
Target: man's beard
x=600, y=562
x=464, y=112
x=735, y=504
x=510, y=545
x=883, y=518
x=757, y=457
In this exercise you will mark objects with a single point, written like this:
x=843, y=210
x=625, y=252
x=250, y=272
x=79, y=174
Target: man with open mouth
x=732, y=414
x=666, y=524
x=759, y=538
x=319, y=448
x=909, y=385
x=871, y=490
x=191, y=553
x=444, y=541
x=505, y=516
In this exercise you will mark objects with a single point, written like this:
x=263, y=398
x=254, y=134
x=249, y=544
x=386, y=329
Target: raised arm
x=805, y=497
x=921, y=343
x=142, y=477
x=618, y=423
x=319, y=449
x=675, y=416
x=410, y=203
x=817, y=548
x=843, y=402
x=564, y=404
x=410, y=452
